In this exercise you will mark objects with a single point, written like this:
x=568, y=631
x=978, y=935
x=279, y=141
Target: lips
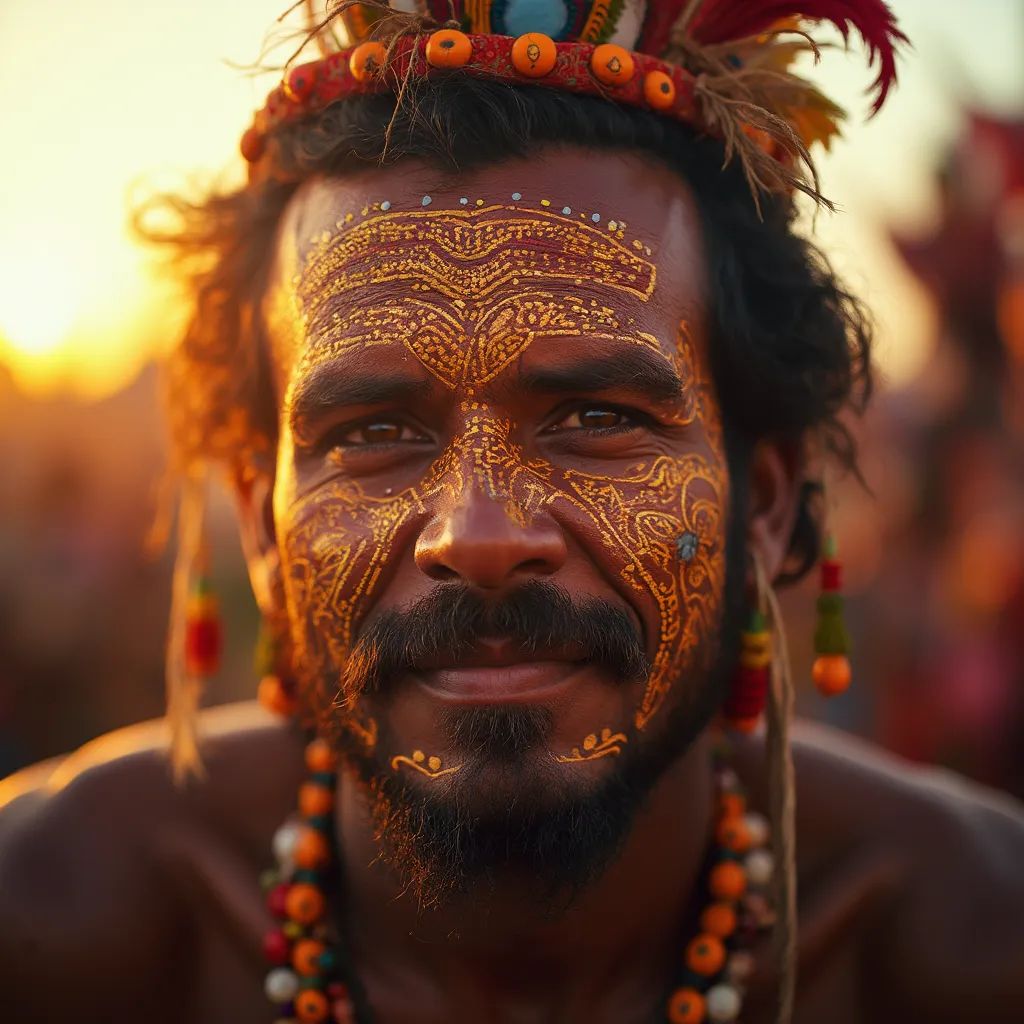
x=501, y=672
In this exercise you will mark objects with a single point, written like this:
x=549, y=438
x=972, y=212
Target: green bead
x=292, y=930
x=321, y=822
x=311, y=982
x=328, y=961
x=307, y=875
x=328, y=779
x=268, y=879
x=830, y=636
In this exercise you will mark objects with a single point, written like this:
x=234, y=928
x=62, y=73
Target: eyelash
x=633, y=418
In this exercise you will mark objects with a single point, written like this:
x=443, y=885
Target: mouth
x=500, y=672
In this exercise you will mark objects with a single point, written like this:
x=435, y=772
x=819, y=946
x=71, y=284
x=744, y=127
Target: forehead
x=570, y=243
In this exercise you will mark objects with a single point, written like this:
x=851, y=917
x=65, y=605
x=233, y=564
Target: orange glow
x=117, y=90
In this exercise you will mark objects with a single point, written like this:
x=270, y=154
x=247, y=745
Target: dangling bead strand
x=831, y=671
x=203, y=632
x=749, y=690
x=275, y=693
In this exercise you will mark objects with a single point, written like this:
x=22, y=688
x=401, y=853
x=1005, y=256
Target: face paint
x=429, y=766
x=463, y=327
x=459, y=325
x=608, y=745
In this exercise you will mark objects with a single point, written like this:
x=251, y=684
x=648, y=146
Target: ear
x=776, y=469
x=254, y=502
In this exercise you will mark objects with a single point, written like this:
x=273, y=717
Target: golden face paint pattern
x=466, y=331
x=608, y=745
x=459, y=261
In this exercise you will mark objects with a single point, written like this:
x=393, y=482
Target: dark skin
x=142, y=898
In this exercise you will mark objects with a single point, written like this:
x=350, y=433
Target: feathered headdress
x=723, y=66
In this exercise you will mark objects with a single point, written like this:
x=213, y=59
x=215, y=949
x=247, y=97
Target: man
x=520, y=421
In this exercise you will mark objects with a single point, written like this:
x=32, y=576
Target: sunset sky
x=99, y=97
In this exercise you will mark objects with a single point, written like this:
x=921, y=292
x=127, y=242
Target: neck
x=622, y=933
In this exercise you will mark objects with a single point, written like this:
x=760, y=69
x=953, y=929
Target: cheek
x=334, y=547
x=660, y=531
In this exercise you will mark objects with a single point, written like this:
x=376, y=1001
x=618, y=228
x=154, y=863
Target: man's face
x=501, y=491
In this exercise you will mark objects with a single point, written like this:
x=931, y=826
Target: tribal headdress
x=722, y=66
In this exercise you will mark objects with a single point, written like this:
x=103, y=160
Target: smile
x=502, y=673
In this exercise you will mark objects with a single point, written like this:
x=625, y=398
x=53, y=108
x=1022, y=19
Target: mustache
x=453, y=618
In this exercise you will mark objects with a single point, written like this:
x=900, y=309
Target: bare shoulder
x=88, y=845
x=945, y=859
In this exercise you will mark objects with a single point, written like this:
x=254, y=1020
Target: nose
x=482, y=542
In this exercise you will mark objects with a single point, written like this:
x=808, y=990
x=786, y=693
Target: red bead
x=276, y=947
x=202, y=645
x=300, y=81
x=252, y=145
x=747, y=694
x=831, y=576
x=277, y=900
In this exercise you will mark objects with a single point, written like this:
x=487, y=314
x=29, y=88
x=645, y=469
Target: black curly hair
x=790, y=347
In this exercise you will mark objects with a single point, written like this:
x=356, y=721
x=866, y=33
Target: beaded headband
x=722, y=66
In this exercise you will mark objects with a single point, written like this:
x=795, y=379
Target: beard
x=512, y=812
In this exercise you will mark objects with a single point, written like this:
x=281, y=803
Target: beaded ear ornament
x=722, y=66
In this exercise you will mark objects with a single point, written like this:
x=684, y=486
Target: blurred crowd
x=934, y=547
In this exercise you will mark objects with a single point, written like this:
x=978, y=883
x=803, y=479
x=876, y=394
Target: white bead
x=757, y=826
x=722, y=1003
x=281, y=985
x=285, y=839
x=759, y=866
x=739, y=966
x=728, y=781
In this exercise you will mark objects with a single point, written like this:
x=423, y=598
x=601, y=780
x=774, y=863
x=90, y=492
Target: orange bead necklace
x=310, y=982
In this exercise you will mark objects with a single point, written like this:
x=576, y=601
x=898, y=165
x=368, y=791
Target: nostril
x=442, y=573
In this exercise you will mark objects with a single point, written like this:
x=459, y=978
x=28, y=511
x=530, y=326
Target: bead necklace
x=308, y=980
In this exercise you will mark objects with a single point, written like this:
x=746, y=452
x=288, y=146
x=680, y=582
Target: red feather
x=719, y=21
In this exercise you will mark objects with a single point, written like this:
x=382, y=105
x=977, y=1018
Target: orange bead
x=727, y=881
x=534, y=54
x=252, y=145
x=315, y=801
x=306, y=956
x=686, y=1006
x=275, y=698
x=311, y=1006
x=449, y=48
x=659, y=90
x=731, y=805
x=367, y=60
x=311, y=849
x=320, y=757
x=611, y=64
x=304, y=903
x=733, y=834
x=705, y=955
x=743, y=725
x=719, y=919
x=831, y=674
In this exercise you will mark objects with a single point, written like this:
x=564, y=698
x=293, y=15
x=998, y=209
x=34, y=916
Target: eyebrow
x=635, y=370
x=328, y=388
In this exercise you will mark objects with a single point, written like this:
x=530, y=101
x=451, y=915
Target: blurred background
x=114, y=98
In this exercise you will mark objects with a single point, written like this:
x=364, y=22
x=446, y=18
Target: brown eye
x=382, y=432
x=600, y=419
